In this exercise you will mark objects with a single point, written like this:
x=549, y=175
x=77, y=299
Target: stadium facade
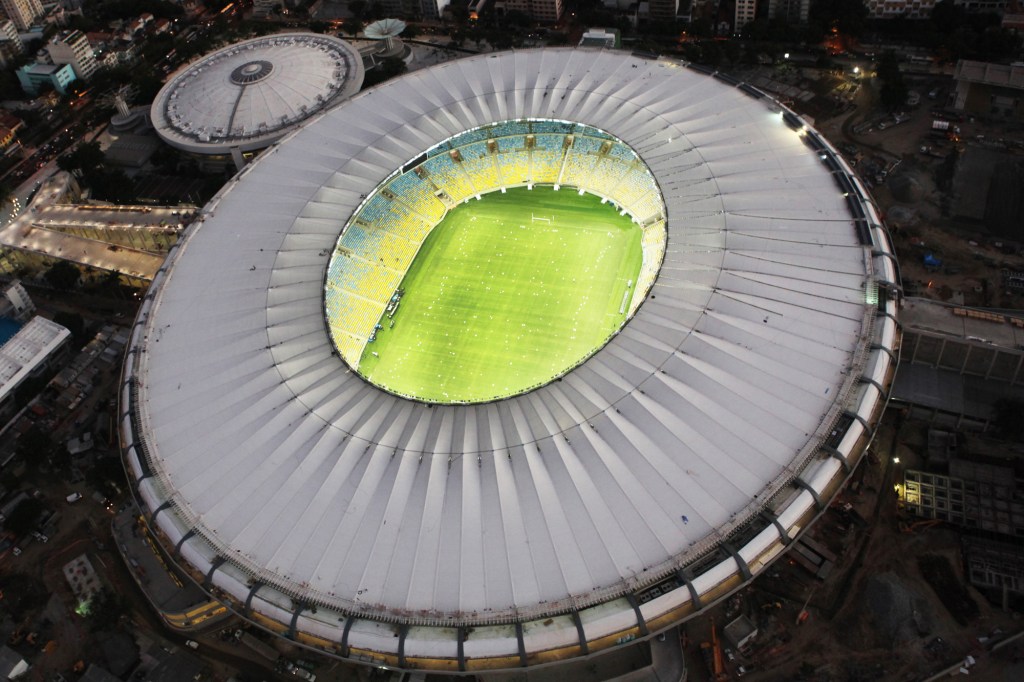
x=654, y=479
x=244, y=97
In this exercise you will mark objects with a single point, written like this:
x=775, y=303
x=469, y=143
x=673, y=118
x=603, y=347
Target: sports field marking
x=493, y=305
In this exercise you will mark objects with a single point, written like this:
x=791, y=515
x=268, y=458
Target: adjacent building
x=793, y=11
x=9, y=52
x=9, y=34
x=608, y=38
x=12, y=665
x=975, y=495
x=22, y=12
x=922, y=9
x=28, y=354
x=890, y=9
x=994, y=90
x=72, y=47
x=16, y=304
x=957, y=362
x=746, y=11
x=36, y=78
x=663, y=9
x=541, y=10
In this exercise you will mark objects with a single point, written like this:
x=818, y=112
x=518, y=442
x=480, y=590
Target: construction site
x=874, y=591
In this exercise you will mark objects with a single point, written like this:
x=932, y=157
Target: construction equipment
x=713, y=657
x=804, y=614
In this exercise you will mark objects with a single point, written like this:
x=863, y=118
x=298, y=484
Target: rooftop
x=290, y=482
x=251, y=93
x=26, y=349
x=995, y=329
x=1003, y=75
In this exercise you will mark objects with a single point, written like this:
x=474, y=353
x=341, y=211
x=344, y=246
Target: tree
x=318, y=26
x=946, y=16
x=22, y=594
x=34, y=445
x=106, y=608
x=894, y=90
x=86, y=156
x=351, y=27
x=112, y=185
x=357, y=8
x=459, y=11
x=846, y=16
x=23, y=517
x=62, y=275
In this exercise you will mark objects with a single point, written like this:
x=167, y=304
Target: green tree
x=894, y=90
x=85, y=157
x=846, y=16
x=23, y=517
x=22, y=594
x=33, y=445
x=459, y=11
x=357, y=8
x=62, y=275
x=107, y=608
x=112, y=185
x=946, y=16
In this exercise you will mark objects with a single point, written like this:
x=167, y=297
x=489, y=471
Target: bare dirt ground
x=876, y=617
x=911, y=200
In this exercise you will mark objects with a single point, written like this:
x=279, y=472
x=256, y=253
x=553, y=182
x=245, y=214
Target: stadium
x=244, y=97
x=308, y=425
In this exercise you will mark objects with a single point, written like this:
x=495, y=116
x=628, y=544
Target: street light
x=856, y=70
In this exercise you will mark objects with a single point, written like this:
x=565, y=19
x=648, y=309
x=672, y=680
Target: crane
x=713, y=657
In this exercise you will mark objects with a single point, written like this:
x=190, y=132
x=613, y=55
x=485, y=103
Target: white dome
x=249, y=94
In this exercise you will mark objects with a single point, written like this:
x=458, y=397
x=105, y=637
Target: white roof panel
x=303, y=475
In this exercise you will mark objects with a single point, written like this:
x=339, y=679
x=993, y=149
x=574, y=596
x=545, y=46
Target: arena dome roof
x=657, y=477
x=249, y=94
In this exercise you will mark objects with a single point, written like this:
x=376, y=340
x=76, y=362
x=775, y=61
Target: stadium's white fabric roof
x=707, y=403
x=251, y=93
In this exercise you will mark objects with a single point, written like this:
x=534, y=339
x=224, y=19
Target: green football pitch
x=498, y=301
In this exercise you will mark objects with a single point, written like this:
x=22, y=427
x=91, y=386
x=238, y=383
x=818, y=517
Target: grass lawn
x=496, y=303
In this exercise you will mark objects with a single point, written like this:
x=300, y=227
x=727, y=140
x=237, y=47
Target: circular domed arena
x=749, y=345
x=244, y=97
